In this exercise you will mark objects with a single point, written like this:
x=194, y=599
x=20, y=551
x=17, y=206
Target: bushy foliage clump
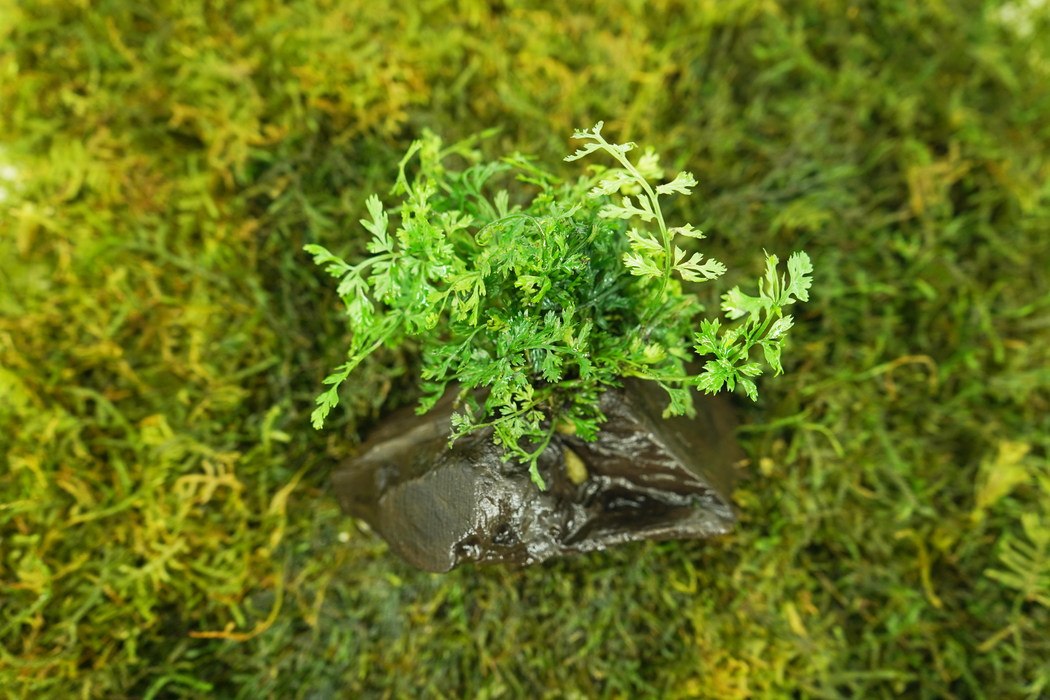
x=546, y=305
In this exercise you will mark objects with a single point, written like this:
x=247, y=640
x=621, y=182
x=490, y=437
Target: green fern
x=547, y=304
x=1027, y=563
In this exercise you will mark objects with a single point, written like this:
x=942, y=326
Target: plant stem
x=534, y=471
x=654, y=200
x=750, y=341
x=528, y=407
x=356, y=269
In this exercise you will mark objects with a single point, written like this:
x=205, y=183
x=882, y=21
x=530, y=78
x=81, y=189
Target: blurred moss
x=167, y=525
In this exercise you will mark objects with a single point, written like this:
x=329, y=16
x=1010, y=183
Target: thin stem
x=648, y=190
x=528, y=407
x=534, y=471
x=508, y=217
x=356, y=359
x=750, y=341
x=356, y=269
x=649, y=324
x=654, y=200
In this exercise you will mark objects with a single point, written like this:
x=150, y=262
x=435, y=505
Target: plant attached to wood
x=548, y=302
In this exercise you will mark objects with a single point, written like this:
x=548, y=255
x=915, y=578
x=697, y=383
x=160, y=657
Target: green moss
x=161, y=341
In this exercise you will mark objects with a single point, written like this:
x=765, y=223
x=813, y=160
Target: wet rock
x=645, y=477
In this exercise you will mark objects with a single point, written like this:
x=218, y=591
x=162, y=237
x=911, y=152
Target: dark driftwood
x=647, y=478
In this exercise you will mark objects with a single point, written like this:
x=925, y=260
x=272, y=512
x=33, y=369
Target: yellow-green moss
x=166, y=524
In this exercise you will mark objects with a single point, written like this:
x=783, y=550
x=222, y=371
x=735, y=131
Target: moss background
x=167, y=525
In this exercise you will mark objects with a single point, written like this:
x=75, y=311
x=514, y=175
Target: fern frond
x=1027, y=563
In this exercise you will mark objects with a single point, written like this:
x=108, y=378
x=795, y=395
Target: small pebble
x=574, y=467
